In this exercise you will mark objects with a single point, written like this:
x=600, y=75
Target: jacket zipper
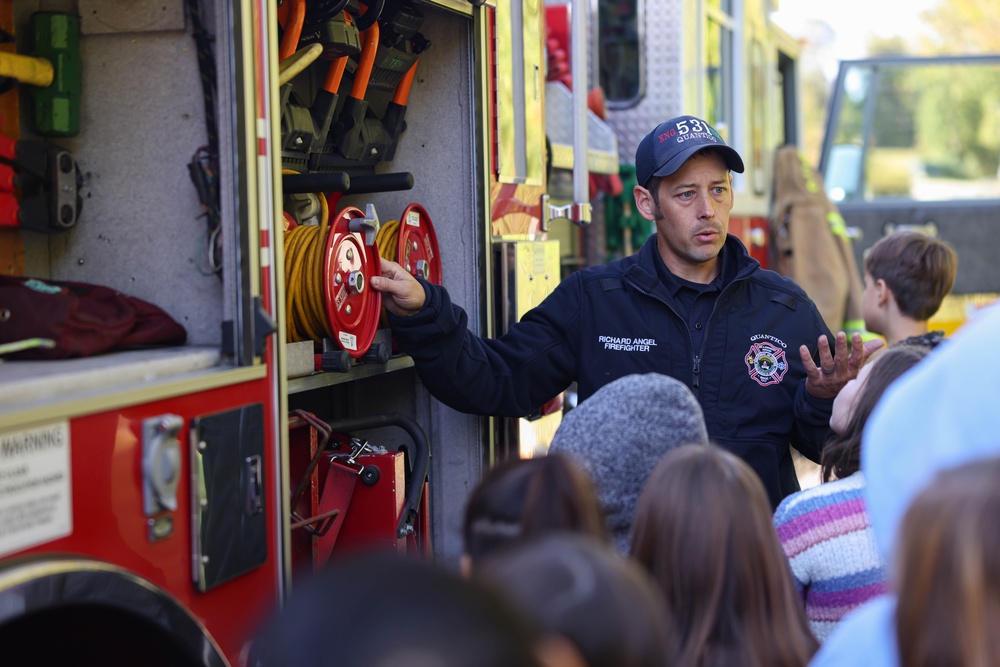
x=696, y=358
x=708, y=322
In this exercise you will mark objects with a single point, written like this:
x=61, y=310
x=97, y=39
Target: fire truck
x=219, y=180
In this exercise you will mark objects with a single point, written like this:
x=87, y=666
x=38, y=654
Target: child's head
x=523, y=498
x=703, y=528
x=855, y=403
x=948, y=570
x=620, y=433
x=917, y=269
x=574, y=588
x=395, y=610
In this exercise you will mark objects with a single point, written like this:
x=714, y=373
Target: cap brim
x=729, y=154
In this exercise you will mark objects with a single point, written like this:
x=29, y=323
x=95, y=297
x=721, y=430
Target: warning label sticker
x=35, y=501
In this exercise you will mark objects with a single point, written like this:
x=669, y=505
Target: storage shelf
x=322, y=379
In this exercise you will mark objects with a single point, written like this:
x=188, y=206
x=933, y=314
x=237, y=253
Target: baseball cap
x=665, y=149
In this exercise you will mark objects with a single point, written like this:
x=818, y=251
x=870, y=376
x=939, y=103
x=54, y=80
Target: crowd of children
x=636, y=541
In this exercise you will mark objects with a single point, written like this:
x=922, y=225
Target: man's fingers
x=807, y=360
x=389, y=280
x=826, y=359
x=403, y=294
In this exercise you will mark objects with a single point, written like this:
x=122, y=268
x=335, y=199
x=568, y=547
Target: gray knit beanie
x=619, y=434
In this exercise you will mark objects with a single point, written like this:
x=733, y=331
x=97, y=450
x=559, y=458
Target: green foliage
x=963, y=27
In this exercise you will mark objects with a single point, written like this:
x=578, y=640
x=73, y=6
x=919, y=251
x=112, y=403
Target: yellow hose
x=295, y=64
x=305, y=247
x=387, y=240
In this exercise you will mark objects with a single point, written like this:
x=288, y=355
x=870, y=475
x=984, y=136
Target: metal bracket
x=263, y=326
x=577, y=212
x=368, y=226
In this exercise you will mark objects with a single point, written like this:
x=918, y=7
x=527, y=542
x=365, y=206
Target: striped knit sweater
x=826, y=535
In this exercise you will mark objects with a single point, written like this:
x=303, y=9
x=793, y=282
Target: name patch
x=627, y=344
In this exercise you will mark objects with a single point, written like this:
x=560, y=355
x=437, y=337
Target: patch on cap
x=664, y=150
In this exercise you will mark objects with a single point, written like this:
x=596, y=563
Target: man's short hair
x=919, y=269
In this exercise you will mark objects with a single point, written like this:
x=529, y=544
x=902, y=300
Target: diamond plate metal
x=663, y=54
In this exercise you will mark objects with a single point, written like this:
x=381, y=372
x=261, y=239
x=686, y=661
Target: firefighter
x=691, y=303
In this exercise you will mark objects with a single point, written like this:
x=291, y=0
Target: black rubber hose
x=421, y=457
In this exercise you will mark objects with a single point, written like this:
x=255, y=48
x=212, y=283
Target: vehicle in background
x=914, y=143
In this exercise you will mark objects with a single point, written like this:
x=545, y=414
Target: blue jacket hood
x=940, y=414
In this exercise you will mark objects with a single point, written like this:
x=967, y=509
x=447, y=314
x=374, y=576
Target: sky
x=851, y=23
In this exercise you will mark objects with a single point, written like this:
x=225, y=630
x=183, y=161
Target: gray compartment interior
x=142, y=232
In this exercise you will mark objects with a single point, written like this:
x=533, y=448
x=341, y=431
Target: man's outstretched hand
x=835, y=369
x=401, y=293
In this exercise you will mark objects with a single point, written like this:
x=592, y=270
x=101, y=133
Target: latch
x=161, y=461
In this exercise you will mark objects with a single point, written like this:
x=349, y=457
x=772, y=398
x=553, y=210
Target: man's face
x=692, y=217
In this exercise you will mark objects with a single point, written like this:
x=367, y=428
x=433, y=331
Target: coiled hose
x=305, y=246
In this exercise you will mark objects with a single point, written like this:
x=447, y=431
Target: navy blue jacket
x=605, y=322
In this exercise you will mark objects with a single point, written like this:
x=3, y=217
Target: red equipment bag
x=81, y=319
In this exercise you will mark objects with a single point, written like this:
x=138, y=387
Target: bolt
x=356, y=280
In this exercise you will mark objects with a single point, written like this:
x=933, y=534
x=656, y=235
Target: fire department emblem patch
x=766, y=363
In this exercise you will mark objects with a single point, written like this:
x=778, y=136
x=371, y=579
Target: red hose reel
x=351, y=259
x=417, y=248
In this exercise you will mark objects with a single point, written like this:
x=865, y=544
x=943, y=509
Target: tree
x=963, y=27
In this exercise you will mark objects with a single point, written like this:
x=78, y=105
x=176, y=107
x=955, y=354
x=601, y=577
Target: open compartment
x=165, y=156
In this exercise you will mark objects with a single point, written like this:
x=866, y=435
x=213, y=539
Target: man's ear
x=644, y=202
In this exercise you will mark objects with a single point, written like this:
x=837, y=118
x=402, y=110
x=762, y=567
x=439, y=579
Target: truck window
x=618, y=34
x=923, y=132
x=913, y=143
